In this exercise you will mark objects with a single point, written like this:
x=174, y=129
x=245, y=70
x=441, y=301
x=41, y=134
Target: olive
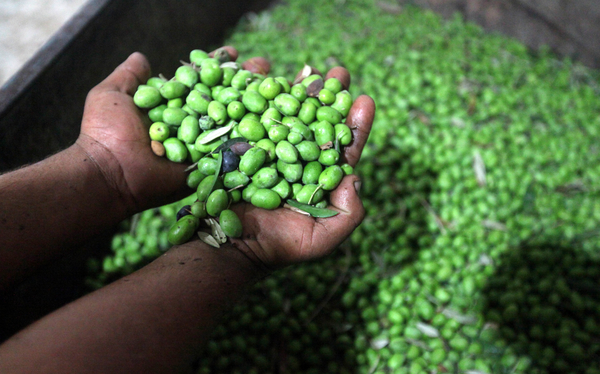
x=230, y=162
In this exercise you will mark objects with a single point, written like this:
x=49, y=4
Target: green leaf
x=313, y=211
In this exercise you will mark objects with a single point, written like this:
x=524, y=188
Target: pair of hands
x=114, y=133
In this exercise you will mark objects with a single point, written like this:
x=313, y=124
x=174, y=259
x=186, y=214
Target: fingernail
x=357, y=185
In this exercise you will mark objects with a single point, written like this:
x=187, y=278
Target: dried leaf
x=217, y=133
x=464, y=319
x=231, y=64
x=494, y=225
x=428, y=330
x=191, y=167
x=305, y=72
x=287, y=206
x=327, y=145
x=379, y=343
x=208, y=239
x=217, y=231
x=479, y=168
x=315, y=87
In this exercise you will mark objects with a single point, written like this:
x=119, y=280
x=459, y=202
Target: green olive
x=174, y=116
x=175, y=103
x=230, y=223
x=266, y=177
x=187, y=75
x=216, y=202
x=299, y=92
x=343, y=134
x=326, y=97
x=254, y=102
x=269, y=146
x=189, y=130
x=283, y=188
x=343, y=103
x=236, y=110
x=217, y=111
x=159, y=131
x=248, y=192
x=202, y=88
x=307, y=113
x=241, y=79
x=175, y=150
x=235, y=179
x=228, y=94
x=287, y=104
x=311, y=173
x=228, y=74
x=156, y=113
x=286, y=152
x=193, y=154
x=310, y=194
x=266, y=199
x=173, y=89
x=333, y=85
x=308, y=150
x=278, y=133
x=156, y=82
x=208, y=165
x=324, y=133
x=329, y=157
x=194, y=178
x=269, y=88
x=183, y=230
x=252, y=160
x=329, y=114
x=197, y=56
x=210, y=75
x=198, y=209
x=285, y=85
x=203, y=189
x=331, y=177
x=251, y=129
x=291, y=172
x=198, y=101
x=147, y=97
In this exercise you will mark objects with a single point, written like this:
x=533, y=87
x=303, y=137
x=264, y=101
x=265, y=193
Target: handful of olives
x=249, y=137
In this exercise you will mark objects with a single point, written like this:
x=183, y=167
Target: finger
x=360, y=120
x=341, y=74
x=258, y=65
x=330, y=232
x=233, y=53
x=127, y=76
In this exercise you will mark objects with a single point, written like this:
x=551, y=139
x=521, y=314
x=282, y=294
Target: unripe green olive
x=266, y=199
x=230, y=223
x=216, y=202
x=147, y=97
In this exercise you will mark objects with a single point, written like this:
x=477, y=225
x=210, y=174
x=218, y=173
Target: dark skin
x=156, y=319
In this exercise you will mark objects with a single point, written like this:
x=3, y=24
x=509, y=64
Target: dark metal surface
x=41, y=106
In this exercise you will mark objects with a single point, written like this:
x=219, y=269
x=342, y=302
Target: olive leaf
x=313, y=211
x=229, y=143
x=208, y=239
x=305, y=72
x=219, y=164
x=217, y=133
x=428, y=330
x=217, y=231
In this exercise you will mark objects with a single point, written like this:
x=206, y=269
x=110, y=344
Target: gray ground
x=25, y=25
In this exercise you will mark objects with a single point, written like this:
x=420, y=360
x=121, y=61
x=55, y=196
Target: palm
x=281, y=237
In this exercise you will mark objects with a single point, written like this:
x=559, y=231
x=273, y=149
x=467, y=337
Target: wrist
x=108, y=171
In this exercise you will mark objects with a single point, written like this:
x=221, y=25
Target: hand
x=114, y=134
x=276, y=238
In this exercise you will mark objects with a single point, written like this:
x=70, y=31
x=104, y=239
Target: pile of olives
x=250, y=137
x=481, y=181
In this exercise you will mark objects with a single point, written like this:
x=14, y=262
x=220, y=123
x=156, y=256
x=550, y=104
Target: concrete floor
x=25, y=25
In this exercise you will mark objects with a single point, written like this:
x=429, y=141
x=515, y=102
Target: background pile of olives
x=251, y=137
x=480, y=250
